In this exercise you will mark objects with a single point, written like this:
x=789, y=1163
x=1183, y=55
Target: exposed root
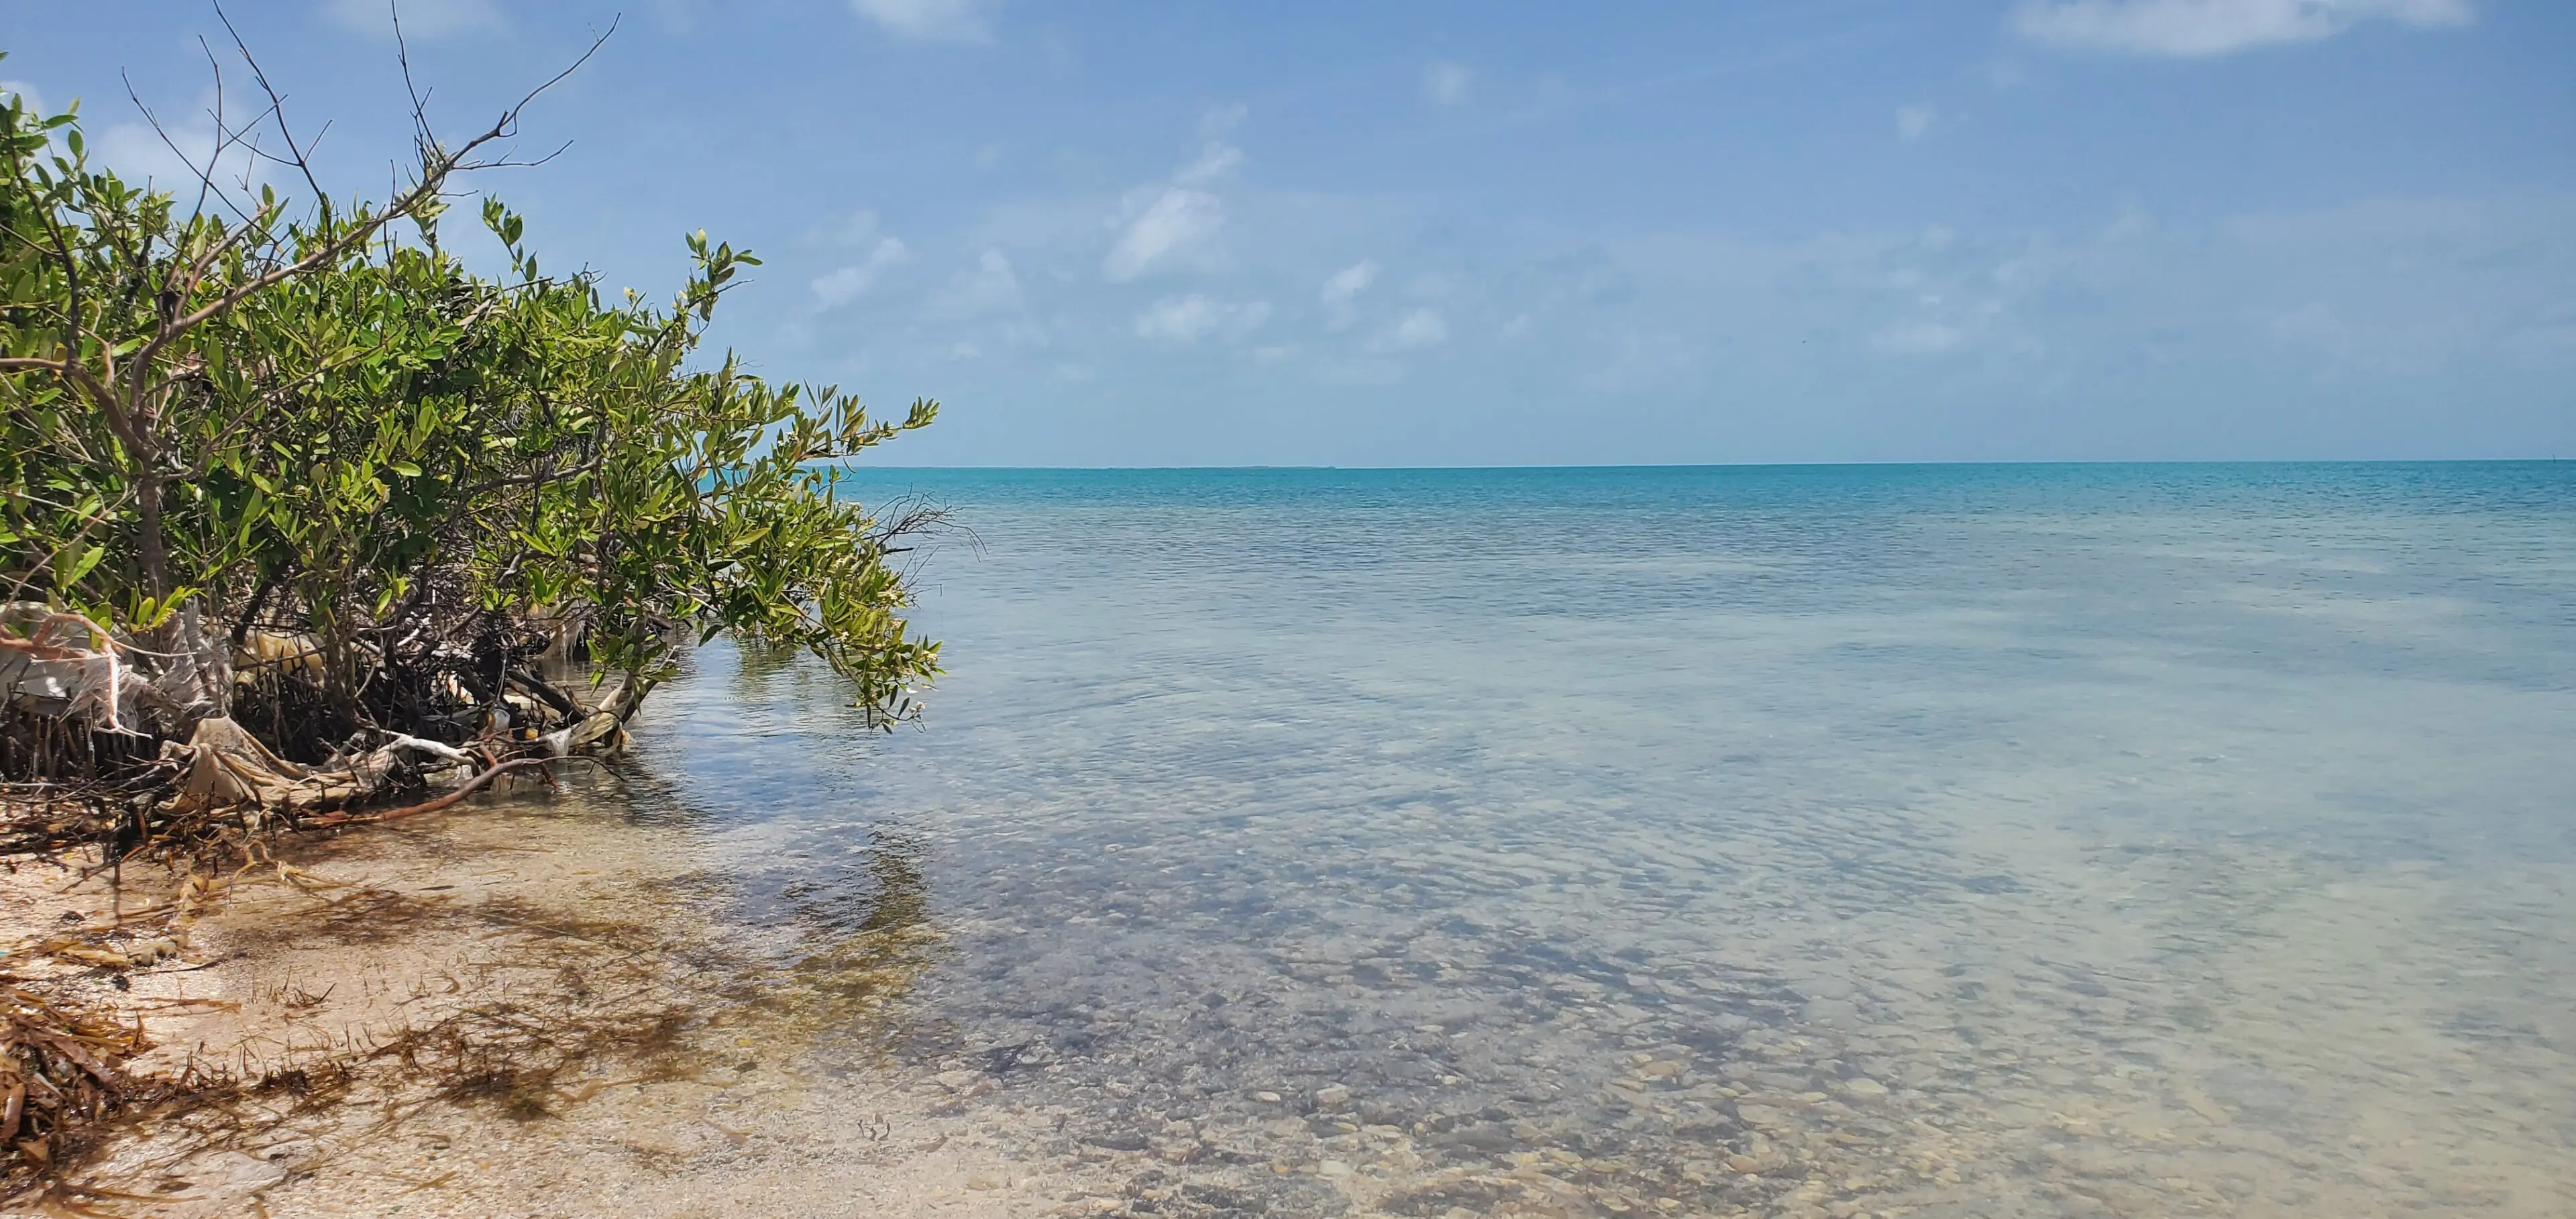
x=467, y=788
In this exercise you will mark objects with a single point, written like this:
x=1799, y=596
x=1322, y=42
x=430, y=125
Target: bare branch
x=298, y=156
x=402, y=55
x=436, y=167
x=509, y=124
x=205, y=177
x=215, y=67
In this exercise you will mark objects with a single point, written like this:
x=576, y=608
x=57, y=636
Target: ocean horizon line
x=1720, y=465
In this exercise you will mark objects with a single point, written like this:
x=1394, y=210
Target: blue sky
x=1435, y=234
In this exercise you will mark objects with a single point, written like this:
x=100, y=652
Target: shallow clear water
x=1940, y=840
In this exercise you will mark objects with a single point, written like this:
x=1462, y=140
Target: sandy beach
x=515, y=1010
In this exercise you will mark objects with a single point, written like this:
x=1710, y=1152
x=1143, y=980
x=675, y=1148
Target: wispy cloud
x=1175, y=224
x=1414, y=331
x=1342, y=289
x=420, y=18
x=25, y=93
x=1447, y=84
x=2215, y=27
x=1218, y=160
x=991, y=286
x=1178, y=222
x=1913, y=121
x=928, y=20
x=1349, y=282
x=851, y=282
x=175, y=157
x=1957, y=302
x=1187, y=319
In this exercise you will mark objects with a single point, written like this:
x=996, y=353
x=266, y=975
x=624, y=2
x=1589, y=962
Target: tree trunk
x=155, y=552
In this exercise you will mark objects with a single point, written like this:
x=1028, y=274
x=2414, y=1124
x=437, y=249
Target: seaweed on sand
x=60, y=1073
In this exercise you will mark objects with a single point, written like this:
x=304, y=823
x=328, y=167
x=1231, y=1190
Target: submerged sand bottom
x=533, y=1007
x=559, y=1005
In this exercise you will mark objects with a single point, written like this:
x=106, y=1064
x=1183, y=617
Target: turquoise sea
x=1933, y=840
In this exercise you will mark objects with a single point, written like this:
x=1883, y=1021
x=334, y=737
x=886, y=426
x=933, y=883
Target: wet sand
x=530, y=1007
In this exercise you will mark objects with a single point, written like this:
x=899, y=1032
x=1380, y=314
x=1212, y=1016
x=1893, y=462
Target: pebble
x=1760, y=1115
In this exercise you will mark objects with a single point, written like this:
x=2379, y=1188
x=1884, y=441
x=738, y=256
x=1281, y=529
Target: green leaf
x=86, y=560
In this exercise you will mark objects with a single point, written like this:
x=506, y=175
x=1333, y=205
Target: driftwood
x=223, y=766
x=461, y=791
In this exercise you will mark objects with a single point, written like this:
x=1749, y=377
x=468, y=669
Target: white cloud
x=1187, y=319
x=1343, y=288
x=1418, y=329
x=1349, y=282
x=1913, y=121
x=1182, y=319
x=32, y=101
x=1175, y=223
x=1215, y=162
x=139, y=155
x=928, y=20
x=1447, y=83
x=420, y=18
x=1178, y=223
x=991, y=287
x=850, y=282
x=2215, y=27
